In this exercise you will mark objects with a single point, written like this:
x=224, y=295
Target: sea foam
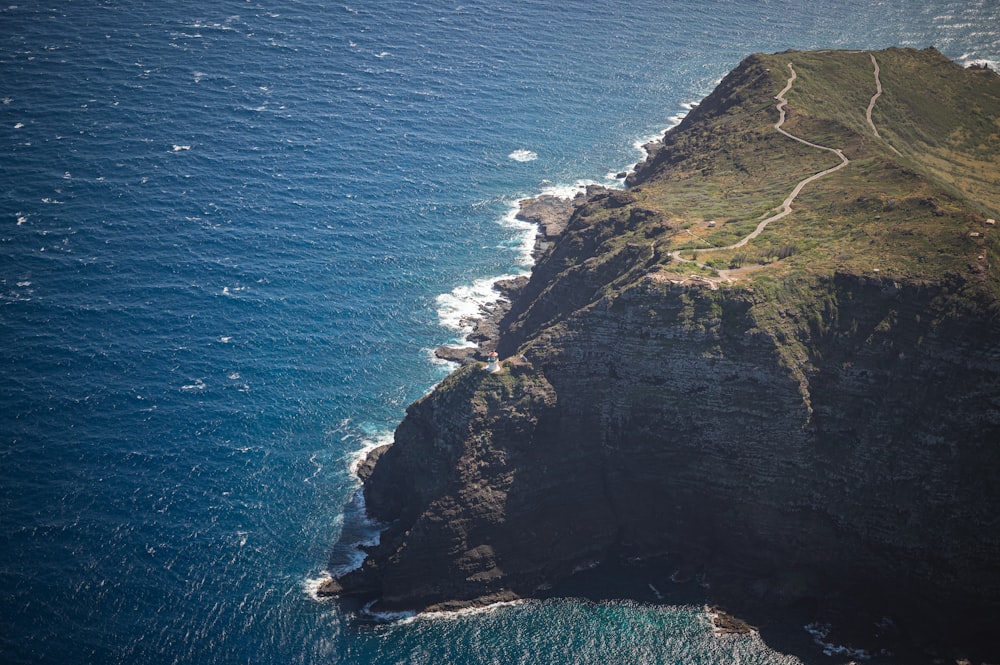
x=522, y=155
x=459, y=309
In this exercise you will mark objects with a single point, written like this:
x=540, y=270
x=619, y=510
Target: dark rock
x=457, y=354
x=365, y=467
x=825, y=441
x=549, y=212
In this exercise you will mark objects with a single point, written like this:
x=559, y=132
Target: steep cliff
x=814, y=414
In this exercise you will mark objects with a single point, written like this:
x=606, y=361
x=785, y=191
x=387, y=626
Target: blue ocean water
x=230, y=235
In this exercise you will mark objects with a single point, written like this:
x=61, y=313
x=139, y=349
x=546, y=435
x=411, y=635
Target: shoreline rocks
x=821, y=443
x=550, y=214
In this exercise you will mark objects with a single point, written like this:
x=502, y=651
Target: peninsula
x=771, y=361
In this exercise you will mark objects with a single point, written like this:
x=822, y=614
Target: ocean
x=231, y=235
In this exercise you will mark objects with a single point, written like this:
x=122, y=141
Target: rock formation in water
x=810, y=417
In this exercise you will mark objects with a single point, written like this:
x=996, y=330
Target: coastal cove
x=238, y=240
x=686, y=424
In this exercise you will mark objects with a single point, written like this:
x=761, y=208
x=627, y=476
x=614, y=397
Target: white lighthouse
x=494, y=364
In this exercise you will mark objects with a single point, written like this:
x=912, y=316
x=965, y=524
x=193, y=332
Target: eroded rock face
x=833, y=437
x=668, y=422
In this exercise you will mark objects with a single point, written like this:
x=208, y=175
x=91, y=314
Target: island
x=770, y=362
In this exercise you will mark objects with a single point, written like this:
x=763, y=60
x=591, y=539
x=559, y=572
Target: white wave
x=465, y=304
x=387, y=617
x=226, y=291
x=357, y=529
x=225, y=339
x=363, y=532
x=19, y=125
x=197, y=385
x=527, y=231
x=589, y=565
x=179, y=148
x=311, y=585
x=434, y=360
x=969, y=61
x=470, y=611
x=567, y=191
x=459, y=309
x=522, y=155
x=672, y=121
x=21, y=219
x=820, y=632
x=355, y=459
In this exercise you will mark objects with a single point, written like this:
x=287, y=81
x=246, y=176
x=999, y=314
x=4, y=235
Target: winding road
x=786, y=206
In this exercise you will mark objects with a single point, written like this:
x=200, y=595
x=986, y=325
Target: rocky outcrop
x=667, y=423
x=827, y=438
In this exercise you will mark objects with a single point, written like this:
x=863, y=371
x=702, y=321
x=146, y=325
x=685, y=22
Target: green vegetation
x=907, y=206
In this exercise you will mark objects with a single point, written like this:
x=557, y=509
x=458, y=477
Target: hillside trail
x=871, y=105
x=726, y=276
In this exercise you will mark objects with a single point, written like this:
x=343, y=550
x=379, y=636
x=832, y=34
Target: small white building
x=494, y=364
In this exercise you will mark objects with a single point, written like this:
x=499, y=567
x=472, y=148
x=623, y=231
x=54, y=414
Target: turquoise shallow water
x=230, y=235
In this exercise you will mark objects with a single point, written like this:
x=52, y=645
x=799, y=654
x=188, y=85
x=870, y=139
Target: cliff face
x=825, y=434
x=666, y=421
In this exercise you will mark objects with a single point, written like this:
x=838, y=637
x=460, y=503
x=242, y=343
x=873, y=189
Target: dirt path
x=786, y=206
x=871, y=104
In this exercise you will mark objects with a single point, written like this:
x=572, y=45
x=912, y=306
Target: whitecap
x=568, y=191
x=233, y=376
x=459, y=309
x=386, y=617
x=19, y=125
x=225, y=339
x=197, y=385
x=368, y=445
x=522, y=155
x=311, y=586
x=358, y=531
x=179, y=148
x=471, y=611
x=21, y=219
x=820, y=632
x=527, y=230
x=968, y=61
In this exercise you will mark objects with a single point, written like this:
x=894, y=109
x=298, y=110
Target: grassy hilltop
x=904, y=207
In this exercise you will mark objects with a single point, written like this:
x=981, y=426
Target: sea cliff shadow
x=784, y=630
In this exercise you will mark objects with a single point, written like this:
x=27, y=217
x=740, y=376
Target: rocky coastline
x=811, y=442
x=550, y=214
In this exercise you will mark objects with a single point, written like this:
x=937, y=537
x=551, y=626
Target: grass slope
x=908, y=206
